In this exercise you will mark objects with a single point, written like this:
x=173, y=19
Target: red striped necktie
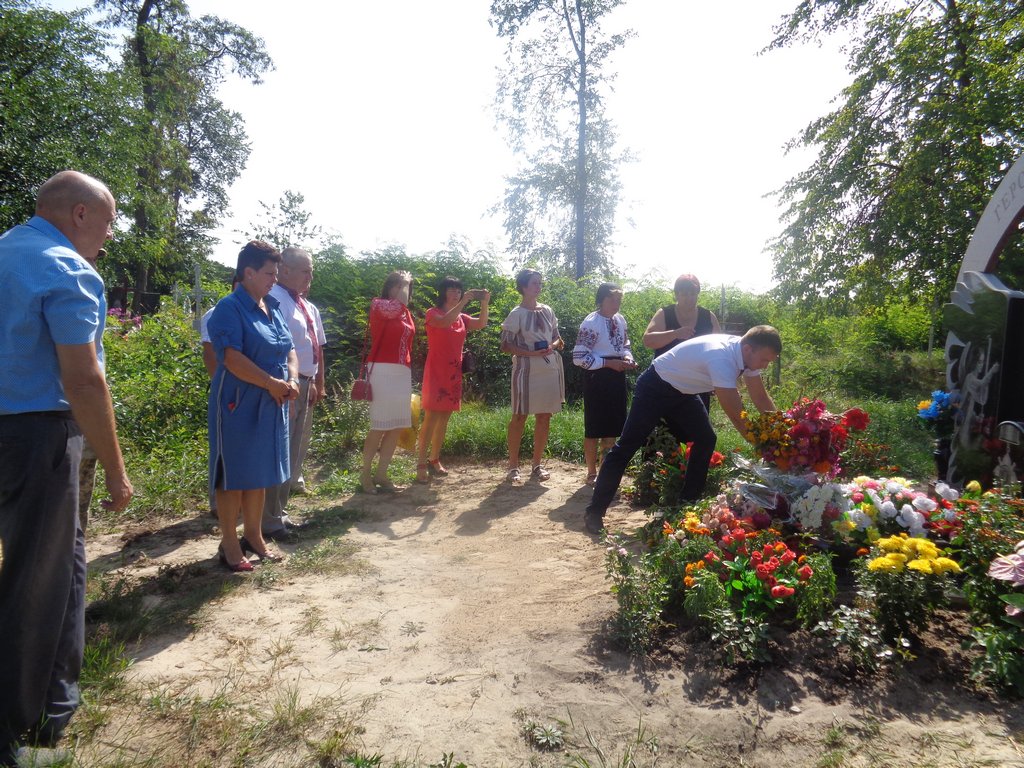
x=310, y=325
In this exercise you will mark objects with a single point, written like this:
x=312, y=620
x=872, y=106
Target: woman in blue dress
x=257, y=374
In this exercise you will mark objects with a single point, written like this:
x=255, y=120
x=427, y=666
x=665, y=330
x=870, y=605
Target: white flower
x=861, y=520
x=912, y=520
x=874, y=499
x=947, y=493
x=949, y=515
x=924, y=504
x=892, y=487
x=888, y=510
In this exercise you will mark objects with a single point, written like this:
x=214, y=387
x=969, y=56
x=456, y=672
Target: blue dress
x=248, y=430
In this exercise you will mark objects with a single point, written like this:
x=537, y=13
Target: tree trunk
x=581, y=150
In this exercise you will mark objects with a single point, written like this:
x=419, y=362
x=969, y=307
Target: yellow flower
x=923, y=566
x=944, y=564
x=890, y=544
x=883, y=564
x=973, y=487
x=924, y=404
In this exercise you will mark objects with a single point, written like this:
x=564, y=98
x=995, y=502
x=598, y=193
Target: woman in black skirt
x=602, y=350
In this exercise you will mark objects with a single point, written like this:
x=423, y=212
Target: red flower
x=781, y=590
x=727, y=540
x=710, y=557
x=856, y=419
x=756, y=556
x=762, y=571
x=805, y=572
x=739, y=534
x=787, y=557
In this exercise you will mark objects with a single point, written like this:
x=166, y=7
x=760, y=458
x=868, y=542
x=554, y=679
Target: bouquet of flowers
x=939, y=412
x=891, y=505
x=805, y=438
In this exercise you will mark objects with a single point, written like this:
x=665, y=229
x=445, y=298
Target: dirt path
x=471, y=606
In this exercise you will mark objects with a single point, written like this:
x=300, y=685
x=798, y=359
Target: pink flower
x=1008, y=568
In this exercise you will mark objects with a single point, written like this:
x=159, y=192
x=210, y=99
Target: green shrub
x=159, y=387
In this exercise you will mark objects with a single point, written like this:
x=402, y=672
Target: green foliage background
x=874, y=360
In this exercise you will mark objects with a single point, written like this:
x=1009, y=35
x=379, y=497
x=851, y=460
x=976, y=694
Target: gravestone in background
x=985, y=345
x=983, y=367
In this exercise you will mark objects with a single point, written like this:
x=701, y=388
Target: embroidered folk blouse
x=601, y=337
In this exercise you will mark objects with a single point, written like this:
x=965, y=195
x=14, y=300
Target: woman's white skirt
x=392, y=392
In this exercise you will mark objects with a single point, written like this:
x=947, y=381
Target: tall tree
x=909, y=159
x=286, y=223
x=194, y=147
x=62, y=103
x=560, y=209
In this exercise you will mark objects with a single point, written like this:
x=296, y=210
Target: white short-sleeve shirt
x=704, y=363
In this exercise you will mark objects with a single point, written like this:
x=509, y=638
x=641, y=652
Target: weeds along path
x=446, y=618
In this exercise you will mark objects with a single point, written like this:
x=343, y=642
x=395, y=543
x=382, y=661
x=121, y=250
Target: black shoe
x=593, y=522
x=282, y=535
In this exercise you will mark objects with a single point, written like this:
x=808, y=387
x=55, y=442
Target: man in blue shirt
x=52, y=391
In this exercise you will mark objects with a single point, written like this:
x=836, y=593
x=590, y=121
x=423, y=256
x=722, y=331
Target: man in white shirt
x=293, y=281
x=670, y=390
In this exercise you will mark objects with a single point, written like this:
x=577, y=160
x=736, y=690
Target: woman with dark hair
x=530, y=335
x=442, y=375
x=602, y=350
x=256, y=376
x=681, y=321
x=390, y=374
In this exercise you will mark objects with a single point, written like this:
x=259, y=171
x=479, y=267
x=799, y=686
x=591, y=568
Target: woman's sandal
x=422, y=474
x=367, y=485
x=386, y=486
x=270, y=557
x=435, y=467
x=239, y=567
x=540, y=473
x=513, y=475
x=592, y=478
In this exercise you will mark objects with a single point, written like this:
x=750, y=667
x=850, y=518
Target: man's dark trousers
x=686, y=418
x=42, y=577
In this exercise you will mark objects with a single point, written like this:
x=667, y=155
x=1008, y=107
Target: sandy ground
x=474, y=606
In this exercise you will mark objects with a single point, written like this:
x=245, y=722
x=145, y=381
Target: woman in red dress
x=442, y=376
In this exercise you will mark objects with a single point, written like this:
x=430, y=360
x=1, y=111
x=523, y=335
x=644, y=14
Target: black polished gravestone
x=985, y=374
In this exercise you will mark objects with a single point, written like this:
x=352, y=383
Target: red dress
x=442, y=375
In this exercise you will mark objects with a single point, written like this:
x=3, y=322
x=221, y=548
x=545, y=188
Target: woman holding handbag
x=442, y=375
x=389, y=366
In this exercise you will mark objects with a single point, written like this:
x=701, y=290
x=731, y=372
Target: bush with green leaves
x=640, y=590
x=993, y=523
x=159, y=384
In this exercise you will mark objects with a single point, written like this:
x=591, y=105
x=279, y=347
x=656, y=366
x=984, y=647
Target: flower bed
x=766, y=552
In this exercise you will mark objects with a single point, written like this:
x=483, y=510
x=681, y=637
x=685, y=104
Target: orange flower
x=667, y=529
x=863, y=551
x=689, y=581
x=823, y=467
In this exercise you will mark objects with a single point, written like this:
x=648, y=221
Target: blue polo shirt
x=49, y=295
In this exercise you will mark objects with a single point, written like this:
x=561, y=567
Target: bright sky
x=381, y=115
